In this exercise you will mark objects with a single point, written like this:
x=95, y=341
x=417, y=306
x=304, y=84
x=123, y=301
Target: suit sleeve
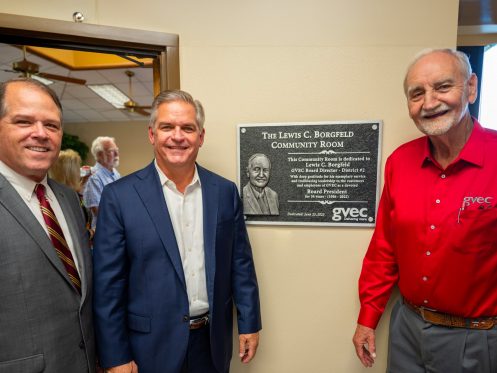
x=244, y=279
x=379, y=269
x=110, y=273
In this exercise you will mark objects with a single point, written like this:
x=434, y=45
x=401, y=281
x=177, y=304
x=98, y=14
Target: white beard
x=437, y=126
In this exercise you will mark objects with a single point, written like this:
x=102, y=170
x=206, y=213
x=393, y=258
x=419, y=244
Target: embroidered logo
x=481, y=202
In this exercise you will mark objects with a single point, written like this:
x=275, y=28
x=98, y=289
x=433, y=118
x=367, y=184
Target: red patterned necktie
x=57, y=237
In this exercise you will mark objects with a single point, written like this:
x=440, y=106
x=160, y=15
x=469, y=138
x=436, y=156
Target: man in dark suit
x=258, y=198
x=45, y=265
x=171, y=256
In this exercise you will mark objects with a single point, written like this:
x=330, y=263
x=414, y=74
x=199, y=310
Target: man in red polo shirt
x=436, y=232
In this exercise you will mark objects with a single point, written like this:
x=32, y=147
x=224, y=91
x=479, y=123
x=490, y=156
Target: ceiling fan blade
x=67, y=79
x=143, y=107
x=139, y=110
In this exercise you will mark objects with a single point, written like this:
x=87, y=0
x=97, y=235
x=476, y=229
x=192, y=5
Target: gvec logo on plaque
x=349, y=214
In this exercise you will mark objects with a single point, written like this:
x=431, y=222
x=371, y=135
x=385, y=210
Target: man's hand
x=130, y=367
x=364, y=342
x=248, y=346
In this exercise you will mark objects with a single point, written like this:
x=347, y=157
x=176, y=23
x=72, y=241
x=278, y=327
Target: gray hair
x=177, y=95
x=460, y=57
x=32, y=82
x=257, y=155
x=97, y=145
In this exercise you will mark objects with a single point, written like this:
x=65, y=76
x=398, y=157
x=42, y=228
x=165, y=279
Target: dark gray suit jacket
x=45, y=326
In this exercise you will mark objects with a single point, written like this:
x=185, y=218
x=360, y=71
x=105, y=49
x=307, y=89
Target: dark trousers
x=198, y=357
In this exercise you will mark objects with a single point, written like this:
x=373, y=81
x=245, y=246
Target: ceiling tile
x=74, y=104
x=91, y=115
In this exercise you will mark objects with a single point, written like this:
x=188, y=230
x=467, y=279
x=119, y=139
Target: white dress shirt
x=186, y=213
x=25, y=187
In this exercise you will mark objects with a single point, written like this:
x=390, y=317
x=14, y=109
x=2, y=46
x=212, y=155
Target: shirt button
x=437, y=201
x=428, y=253
x=425, y=278
x=186, y=318
x=432, y=227
x=443, y=176
x=425, y=301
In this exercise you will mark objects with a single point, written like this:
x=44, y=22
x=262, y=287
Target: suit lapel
x=79, y=251
x=252, y=201
x=152, y=196
x=11, y=200
x=210, y=205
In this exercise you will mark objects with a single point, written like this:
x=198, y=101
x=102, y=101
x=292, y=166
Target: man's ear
x=472, y=88
x=151, y=135
x=202, y=136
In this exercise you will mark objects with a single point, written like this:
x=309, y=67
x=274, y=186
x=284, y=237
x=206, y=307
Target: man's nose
x=430, y=101
x=177, y=134
x=40, y=130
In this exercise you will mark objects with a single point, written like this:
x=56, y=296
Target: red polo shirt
x=436, y=232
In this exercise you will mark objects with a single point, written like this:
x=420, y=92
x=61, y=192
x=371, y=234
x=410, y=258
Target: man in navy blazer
x=171, y=256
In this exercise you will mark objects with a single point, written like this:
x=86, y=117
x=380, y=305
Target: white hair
x=460, y=57
x=97, y=145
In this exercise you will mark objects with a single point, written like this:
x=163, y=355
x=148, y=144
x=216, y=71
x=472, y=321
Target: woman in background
x=67, y=170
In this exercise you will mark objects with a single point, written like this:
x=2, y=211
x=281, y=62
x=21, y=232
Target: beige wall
x=277, y=61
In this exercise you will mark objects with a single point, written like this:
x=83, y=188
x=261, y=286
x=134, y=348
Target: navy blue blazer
x=140, y=300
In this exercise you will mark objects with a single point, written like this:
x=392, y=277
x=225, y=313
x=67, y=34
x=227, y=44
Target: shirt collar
x=103, y=169
x=164, y=180
x=24, y=186
x=258, y=194
x=472, y=152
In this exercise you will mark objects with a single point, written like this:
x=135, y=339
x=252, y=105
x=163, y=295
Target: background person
x=45, y=267
x=258, y=198
x=171, y=257
x=106, y=153
x=67, y=170
x=436, y=232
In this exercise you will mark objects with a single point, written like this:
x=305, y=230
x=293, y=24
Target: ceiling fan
x=131, y=105
x=28, y=69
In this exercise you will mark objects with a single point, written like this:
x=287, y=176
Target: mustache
x=439, y=110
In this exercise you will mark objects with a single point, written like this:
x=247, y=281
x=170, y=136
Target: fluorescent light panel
x=110, y=93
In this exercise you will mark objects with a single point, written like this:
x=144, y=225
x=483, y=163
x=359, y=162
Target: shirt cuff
x=369, y=317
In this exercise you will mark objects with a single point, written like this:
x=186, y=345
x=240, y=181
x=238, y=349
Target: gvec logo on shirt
x=349, y=214
x=481, y=201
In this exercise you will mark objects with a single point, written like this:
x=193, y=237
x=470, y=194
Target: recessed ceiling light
x=110, y=93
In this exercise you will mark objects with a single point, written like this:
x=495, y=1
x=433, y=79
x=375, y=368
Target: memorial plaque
x=319, y=173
